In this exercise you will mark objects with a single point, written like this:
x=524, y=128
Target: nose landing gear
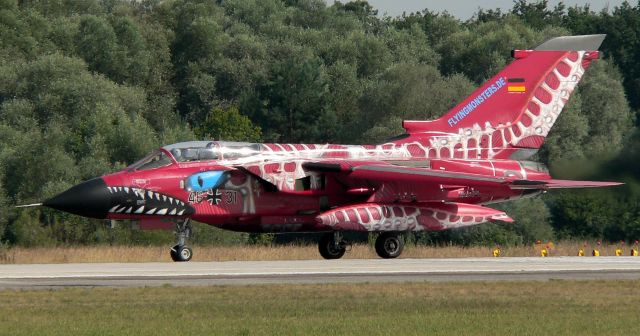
x=181, y=252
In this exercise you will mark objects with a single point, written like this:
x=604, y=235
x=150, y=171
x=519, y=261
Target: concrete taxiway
x=316, y=271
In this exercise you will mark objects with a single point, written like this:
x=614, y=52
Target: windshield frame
x=138, y=165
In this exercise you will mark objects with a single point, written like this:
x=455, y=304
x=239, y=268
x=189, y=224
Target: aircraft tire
x=328, y=249
x=181, y=253
x=389, y=245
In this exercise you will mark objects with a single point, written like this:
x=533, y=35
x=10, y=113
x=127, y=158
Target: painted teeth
x=177, y=207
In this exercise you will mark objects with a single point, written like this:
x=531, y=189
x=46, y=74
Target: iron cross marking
x=214, y=197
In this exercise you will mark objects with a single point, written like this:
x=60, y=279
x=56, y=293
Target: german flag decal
x=516, y=85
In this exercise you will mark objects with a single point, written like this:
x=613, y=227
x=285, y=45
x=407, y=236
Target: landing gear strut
x=389, y=245
x=332, y=245
x=181, y=252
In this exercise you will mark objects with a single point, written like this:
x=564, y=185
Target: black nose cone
x=89, y=199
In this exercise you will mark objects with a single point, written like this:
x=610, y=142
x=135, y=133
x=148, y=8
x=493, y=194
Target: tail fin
x=510, y=115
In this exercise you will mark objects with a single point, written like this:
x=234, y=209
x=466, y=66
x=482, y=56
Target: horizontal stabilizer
x=559, y=184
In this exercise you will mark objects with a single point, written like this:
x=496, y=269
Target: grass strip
x=105, y=253
x=475, y=308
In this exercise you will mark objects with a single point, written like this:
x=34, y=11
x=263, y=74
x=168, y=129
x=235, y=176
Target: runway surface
x=316, y=271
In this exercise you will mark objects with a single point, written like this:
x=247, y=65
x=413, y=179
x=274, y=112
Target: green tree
x=295, y=97
x=607, y=109
x=436, y=26
x=255, y=13
x=344, y=92
x=4, y=208
x=532, y=220
x=622, y=44
x=484, y=48
x=584, y=214
x=96, y=43
x=27, y=230
x=537, y=14
x=410, y=91
x=228, y=125
x=131, y=56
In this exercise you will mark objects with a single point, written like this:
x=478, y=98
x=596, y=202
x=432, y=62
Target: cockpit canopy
x=192, y=151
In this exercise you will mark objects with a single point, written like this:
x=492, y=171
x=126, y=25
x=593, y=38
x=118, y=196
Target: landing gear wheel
x=389, y=245
x=181, y=253
x=174, y=253
x=331, y=246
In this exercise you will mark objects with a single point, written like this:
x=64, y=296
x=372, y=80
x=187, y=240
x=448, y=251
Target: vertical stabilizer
x=510, y=115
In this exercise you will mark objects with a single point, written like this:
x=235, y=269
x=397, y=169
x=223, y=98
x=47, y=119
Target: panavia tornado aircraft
x=439, y=175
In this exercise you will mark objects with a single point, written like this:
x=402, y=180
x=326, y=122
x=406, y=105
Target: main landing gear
x=181, y=252
x=388, y=245
x=332, y=245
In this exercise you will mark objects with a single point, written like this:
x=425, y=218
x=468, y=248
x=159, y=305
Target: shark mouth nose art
x=127, y=200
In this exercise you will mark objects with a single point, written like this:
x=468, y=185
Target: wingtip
x=503, y=217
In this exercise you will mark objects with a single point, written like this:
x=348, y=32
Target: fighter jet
x=439, y=175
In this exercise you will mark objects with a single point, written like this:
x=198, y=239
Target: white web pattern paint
x=381, y=217
x=281, y=164
x=540, y=125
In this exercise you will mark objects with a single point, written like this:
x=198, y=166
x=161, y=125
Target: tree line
x=87, y=87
